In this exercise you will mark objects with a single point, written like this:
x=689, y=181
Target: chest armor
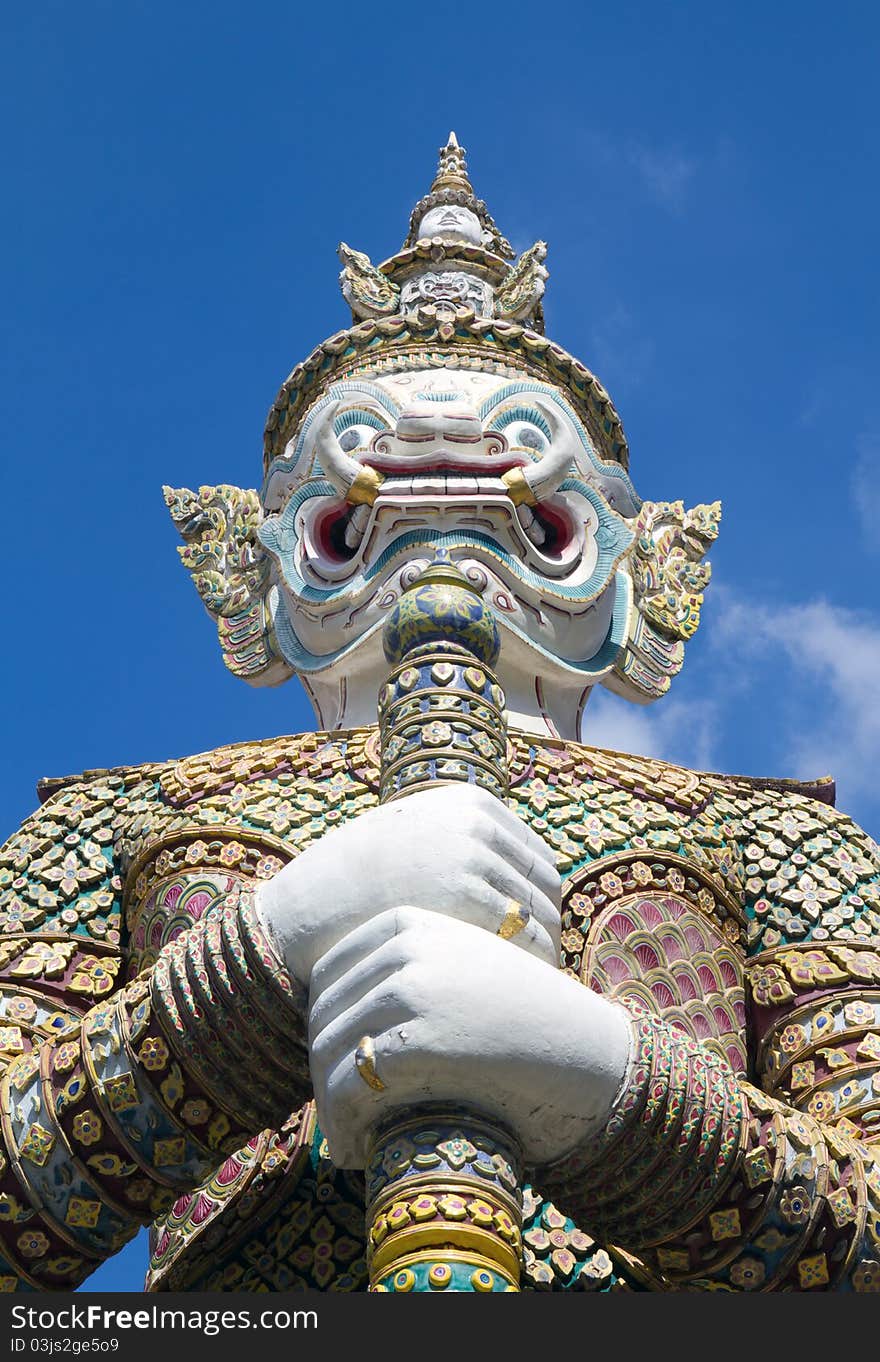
x=650, y=916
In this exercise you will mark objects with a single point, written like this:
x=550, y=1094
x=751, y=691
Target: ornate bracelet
x=108, y=1126
x=670, y=1144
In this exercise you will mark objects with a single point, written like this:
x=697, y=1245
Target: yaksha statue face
x=443, y=421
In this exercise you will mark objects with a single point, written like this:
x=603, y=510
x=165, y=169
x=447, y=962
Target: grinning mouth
x=444, y=480
x=451, y=461
x=549, y=525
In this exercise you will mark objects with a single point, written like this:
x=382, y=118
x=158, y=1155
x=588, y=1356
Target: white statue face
x=442, y=441
x=452, y=223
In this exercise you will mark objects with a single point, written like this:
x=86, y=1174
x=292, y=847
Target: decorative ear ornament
x=367, y=292
x=669, y=578
x=518, y=298
x=230, y=570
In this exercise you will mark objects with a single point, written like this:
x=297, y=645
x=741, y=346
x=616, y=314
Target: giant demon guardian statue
x=448, y=1001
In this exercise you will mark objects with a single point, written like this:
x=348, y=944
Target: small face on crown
x=452, y=222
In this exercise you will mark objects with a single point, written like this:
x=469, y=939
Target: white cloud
x=679, y=731
x=809, y=673
x=866, y=488
x=833, y=654
x=665, y=173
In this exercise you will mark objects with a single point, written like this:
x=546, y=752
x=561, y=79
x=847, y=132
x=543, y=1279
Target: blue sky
x=175, y=180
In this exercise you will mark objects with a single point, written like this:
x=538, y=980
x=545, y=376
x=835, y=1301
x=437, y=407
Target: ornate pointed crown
x=450, y=292
x=452, y=187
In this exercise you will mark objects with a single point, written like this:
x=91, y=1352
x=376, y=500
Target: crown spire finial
x=452, y=186
x=452, y=169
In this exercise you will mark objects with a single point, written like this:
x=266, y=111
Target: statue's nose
x=438, y=421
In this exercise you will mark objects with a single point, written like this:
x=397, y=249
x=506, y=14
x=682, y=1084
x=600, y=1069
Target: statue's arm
x=717, y=1183
x=118, y=1100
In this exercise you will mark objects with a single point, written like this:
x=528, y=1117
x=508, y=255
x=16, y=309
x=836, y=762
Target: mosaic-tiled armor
x=154, y=1041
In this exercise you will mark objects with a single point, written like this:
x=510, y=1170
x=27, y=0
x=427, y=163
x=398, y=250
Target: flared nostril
x=431, y=420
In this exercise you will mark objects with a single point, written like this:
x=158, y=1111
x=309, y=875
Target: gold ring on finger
x=365, y=1063
x=515, y=919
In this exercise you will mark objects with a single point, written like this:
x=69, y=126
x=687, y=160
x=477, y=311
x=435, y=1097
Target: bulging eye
x=356, y=428
x=530, y=437
x=524, y=427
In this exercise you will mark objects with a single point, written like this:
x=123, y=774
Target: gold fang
x=365, y=1063
x=518, y=489
x=365, y=488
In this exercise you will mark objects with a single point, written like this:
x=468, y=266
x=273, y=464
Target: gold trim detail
x=365, y=1063
x=515, y=920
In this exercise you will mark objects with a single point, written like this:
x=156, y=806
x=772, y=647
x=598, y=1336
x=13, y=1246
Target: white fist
x=455, y=1014
x=455, y=850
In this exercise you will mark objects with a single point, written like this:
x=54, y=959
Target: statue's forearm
x=134, y=1105
x=714, y=1184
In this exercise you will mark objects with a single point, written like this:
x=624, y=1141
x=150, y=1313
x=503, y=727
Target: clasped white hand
x=455, y=850
x=431, y=927
x=456, y=1014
